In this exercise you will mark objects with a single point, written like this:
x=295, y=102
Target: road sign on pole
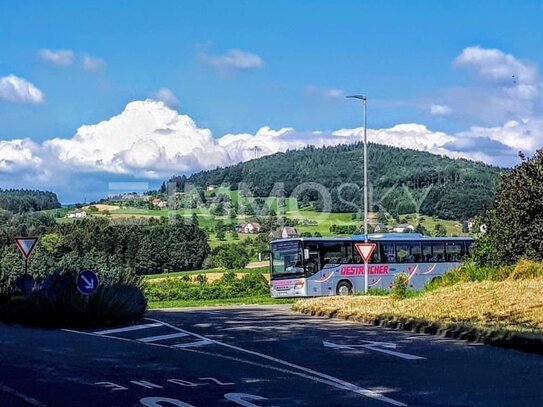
x=366, y=250
x=25, y=246
x=87, y=282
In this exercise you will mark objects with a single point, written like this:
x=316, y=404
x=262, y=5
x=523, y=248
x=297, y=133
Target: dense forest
x=400, y=179
x=24, y=200
x=98, y=243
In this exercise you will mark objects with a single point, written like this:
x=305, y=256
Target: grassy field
x=259, y=299
x=211, y=274
x=497, y=306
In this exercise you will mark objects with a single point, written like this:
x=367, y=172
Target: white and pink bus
x=306, y=267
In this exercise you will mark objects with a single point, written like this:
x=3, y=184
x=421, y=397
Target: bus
x=310, y=267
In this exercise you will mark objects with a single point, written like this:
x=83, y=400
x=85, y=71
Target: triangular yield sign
x=26, y=245
x=365, y=250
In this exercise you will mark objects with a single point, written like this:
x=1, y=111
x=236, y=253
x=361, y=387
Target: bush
x=228, y=286
x=55, y=301
x=399, y=286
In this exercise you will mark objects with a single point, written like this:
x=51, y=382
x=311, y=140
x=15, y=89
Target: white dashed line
x=127, y=329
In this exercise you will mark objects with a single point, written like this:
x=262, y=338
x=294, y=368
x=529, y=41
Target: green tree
x=516, y=218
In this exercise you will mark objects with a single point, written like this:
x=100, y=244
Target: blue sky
x=235, y=67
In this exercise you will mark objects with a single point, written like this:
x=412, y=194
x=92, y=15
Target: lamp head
x=361, y=97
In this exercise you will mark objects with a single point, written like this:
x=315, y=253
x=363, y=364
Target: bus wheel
x=344, y=288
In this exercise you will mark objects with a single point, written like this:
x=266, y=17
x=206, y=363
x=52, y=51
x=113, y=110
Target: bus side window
x=438, y=252
x=388, y=254
x=453, y=251
x=402, y=252
x=336, y=253
x=416, y=254
x=426, y=251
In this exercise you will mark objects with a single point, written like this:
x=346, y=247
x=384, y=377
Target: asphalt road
x=257, y=356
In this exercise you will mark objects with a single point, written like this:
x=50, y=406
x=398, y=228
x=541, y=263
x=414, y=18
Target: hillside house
x=283, y=233
x=158, y=203
x=403, y=228
x=76, y=214
x=251, y=227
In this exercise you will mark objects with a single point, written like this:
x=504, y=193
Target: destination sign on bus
x=377, y=269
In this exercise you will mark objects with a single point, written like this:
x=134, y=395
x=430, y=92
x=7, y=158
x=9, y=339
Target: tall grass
x=471, y=272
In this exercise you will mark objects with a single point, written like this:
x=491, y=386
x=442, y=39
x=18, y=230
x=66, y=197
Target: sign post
x=365, y=250
x=26, y=245
x=87, y=282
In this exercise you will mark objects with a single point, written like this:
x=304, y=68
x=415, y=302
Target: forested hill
x=456, y=188
x=24, y=200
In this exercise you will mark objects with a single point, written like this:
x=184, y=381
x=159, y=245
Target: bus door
x=313, y=268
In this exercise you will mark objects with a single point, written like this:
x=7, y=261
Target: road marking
x=309, y=374
x=25, y=398
x=382, y=347
x=334, y=381
x=192, y=344
x=162, y=337
x=217, y=381
x=146, y=384
x=111, y=385
x=127, y=329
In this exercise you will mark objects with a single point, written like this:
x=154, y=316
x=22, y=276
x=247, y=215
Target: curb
x=525, y=342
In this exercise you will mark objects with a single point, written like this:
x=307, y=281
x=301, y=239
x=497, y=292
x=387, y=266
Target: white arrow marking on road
x=90, y=283
x=376, y=346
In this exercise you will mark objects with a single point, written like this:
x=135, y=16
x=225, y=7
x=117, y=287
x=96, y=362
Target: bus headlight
x=298, y=285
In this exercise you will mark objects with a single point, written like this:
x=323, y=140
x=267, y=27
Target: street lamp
x=364, y=100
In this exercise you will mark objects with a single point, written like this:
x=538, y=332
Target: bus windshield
x=286, y=259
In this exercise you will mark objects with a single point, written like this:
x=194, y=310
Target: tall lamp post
x=364, y=100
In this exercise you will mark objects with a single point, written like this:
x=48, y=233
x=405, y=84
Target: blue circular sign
x=87, y=281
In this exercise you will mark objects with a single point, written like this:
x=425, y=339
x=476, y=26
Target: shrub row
x=56, y=301
x=228, y=286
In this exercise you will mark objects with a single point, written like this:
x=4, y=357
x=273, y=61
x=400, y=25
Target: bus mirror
x=306, y=254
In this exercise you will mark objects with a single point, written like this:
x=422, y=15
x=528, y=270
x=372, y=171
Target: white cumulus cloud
x=495, y=65
x=507, y=88
x=152, y=141
x=167, y=96
x=61, y=57
x=19, y=90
